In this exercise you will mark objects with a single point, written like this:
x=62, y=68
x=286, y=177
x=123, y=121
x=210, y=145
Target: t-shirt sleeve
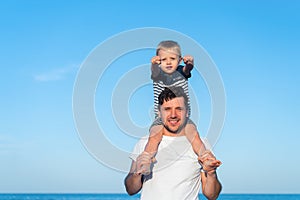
x=207, y=144
x=156, y=75
x=138, y=148
x=180, y=70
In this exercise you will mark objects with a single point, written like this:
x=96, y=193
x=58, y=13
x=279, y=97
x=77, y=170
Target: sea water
x=136, y=197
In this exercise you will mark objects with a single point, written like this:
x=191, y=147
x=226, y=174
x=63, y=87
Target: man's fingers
x=216, y=163
x=153, y=159
x=143, y=163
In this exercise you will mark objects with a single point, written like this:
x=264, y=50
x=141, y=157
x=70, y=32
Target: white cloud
x=55, y=74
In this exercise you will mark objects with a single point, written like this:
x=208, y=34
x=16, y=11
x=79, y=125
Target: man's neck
x=168, y=133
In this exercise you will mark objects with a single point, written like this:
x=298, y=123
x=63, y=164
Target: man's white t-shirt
x=176, y=172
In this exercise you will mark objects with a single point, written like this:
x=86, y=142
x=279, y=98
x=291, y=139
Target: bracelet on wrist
x=213, y=171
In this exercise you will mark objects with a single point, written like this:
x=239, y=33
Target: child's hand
x=155, y=60
x=188, y=60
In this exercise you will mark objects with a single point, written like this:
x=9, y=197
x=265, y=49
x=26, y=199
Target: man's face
x=173, y=114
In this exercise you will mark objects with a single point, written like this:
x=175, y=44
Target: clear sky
x=254, y=44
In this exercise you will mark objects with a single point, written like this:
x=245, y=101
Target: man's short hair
x=170, y=93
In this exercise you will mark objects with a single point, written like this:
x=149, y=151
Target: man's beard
x=177, y=130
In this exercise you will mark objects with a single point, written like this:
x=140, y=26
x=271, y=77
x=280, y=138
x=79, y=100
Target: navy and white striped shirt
x=176, y=79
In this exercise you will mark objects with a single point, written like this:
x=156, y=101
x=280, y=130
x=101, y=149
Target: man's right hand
x=143, y=163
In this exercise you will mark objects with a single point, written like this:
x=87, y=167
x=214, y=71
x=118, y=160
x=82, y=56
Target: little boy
x=167, y=72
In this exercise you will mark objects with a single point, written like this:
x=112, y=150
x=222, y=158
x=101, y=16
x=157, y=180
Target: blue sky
x=254, y=44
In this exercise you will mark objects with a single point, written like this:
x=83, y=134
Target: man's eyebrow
x=181, y=107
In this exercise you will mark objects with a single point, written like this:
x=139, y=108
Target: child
x=167, y=72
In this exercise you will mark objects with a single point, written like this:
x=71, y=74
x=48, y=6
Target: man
x=175, y=173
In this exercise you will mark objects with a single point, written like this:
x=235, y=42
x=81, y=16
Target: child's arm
x=155, y=62
x=194, y=138
x=189, y=64
x=154, y=139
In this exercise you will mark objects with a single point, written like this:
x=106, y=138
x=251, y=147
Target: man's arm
x=133, y=181
x=211, y=186
x=139, y=168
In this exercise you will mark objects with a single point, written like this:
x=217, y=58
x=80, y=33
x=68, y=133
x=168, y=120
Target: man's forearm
x=212, y=186
x=133, y=183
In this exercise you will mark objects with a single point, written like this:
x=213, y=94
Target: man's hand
x=143, y=163
x=209, y=161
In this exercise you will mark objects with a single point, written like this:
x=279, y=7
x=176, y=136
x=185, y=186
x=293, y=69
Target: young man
x=176, y=173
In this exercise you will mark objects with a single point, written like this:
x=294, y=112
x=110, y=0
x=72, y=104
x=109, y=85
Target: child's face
x=169, y=61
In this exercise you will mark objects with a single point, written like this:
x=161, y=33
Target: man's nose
x=173, y=113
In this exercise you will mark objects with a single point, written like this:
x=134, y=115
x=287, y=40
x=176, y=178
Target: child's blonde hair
x=169, y=45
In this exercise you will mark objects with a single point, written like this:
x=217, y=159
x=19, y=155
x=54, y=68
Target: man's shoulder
x=139, y=147
x=143, y=140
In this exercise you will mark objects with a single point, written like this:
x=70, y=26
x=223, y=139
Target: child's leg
x=154, y=139
x=194, y=138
